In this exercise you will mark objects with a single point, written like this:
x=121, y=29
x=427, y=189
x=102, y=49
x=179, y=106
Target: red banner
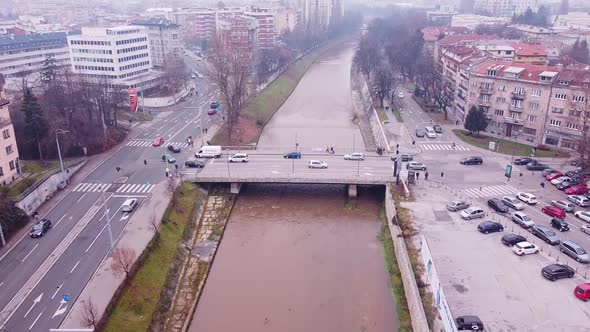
x=133, y=101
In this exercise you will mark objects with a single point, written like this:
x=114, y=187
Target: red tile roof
x=529, y=49
x=576, y=77
x=431, y=34
x=530, y=73
x=456, y=39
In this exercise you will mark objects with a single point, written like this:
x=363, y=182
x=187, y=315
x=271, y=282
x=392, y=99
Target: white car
x=522, y=219
x=560, y=180
x=239, y=157
x=354, y=156
x=472, y=213
x=512, y=202
x=579, y=200
x=525, y=248
x=416, y=166
x=317, y=164
x=527, y=198
x=585, y=229
x=584, y=215
x=401, y=95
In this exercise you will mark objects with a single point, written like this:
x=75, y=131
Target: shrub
x=12, y=218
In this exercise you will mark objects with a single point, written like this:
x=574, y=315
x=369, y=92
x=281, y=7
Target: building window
x=529, y=131
x=502, y=88
x=500, y=112
x=566, y=83
x=6, y=133
x=536, y=92
x=11, y=165
x=573, y=126
x=500, y=100
x=1, y=172
x=491, y=73
x=534, y=106
x=557, y=110
x=9, y=149
x=561, y=96
x=555, y=123
x=578, y=99
x=574, y=113
x=531, y=118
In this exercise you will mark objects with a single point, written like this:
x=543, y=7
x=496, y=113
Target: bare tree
x=123, y=259
x=229, y=71
x=580, y=118
x=90, y=316
x=368, y=55
x=176, y=73
x=383, y=81
x=436, y=88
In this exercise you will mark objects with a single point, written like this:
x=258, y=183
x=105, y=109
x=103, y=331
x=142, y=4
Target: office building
x=506, y=8
x=9, y=158
x=164, y=38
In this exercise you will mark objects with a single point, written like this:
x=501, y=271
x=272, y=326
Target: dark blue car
x=214, y=104
x=292, y=155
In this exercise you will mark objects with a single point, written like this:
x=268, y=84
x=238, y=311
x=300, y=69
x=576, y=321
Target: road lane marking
x=30, y=252
x=36, y=319
x=130, y=196
x=57, y=290
x=35, y=301
x=1, y=283
x=75, y=266
x=60, y=219
x=60, y=310
x=102, y=230
x=78, y=186
x=81, y=197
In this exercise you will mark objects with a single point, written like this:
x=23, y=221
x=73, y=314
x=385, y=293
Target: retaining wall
x=167, y=101
x=371, y=112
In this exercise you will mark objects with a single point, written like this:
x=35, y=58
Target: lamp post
x=61, y=163
x=106, y=214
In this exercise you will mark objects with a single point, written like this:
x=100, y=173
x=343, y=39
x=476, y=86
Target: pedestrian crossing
x=443, y=147
x=148, y=143
x=489, y=191
x=127, y=188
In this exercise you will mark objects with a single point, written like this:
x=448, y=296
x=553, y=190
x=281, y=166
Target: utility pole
x=2, y=236
x=61, y=163
x=106, y=213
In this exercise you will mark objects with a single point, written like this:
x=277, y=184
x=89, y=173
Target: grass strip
x=506, y=147
x=398, y=115
x=137, y=303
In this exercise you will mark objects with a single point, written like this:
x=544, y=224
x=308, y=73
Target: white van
x=430, y=133
x=129, y=205
x=209, y=151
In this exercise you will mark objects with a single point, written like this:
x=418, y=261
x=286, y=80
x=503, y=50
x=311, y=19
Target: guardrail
x=280, y=150
x=246, y=177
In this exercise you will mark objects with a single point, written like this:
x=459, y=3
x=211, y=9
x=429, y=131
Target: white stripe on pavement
x=120, y=189
x=78, y=186
x=151, y=187
x=108, y=185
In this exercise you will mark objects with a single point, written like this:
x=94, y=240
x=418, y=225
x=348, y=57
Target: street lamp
x=106, y=214
x=61, y=163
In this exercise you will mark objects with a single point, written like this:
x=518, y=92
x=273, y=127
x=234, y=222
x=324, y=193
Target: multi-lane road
x=36, y=274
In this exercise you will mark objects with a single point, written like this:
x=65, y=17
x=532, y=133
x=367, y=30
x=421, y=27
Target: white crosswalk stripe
x=443, y=147
x=148, y=143
x=103, y=187
x=489, y=191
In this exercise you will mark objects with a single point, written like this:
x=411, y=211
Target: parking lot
x=482, y=276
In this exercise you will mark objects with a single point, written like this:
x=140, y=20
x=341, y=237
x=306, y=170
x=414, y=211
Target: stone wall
x=167, y=101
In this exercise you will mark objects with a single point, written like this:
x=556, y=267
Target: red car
x=553, y=211
x=579, y=189
x=212, y=111
x=554, y=175
x=582, y=291
x=158, y=141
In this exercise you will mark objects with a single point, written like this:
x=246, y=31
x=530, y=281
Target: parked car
x=212, y=111
x=584, y=215
x=457, y=205
x=545, y=234
x=512, y=202
x=548, y=171
x=553, y=211
x=317, y=164
x=582, y=291
x=194, y=162
x=553, y=175
x=575, y=251
x=525, y=248
x=512, y=239
x=528, y=198
x=585, y=229
x=416, y=166
x=354, y=156
x=472, y=213
x=420, y=132
x=407, y=157
x=471, y=161
x=129, y=205
x=564, y=205
x=579, y=189
x=557, y=271
x=560, y=225
x=560, y=179
x=173, y=148
x=472, y=323
x=437, y=128
x=400, y=95
x=536, y=167
x=522, y=219
x=292, y=155
x=168, y=158
x=566, y=184
x=214, y=104
x=573, y=174
x=523, y=161
x=487, y=227
x=158, y=141
x=579, y=200
x=40, y=228
x=497, y=205
x=239, y=157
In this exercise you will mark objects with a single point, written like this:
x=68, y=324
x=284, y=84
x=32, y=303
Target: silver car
x=457, y=205
x=512, y=202
x=522, y=219
x=416, y=166
x=354, y=156
x=317, y=164
x=472, y=213
x=575, y=251
x=564, y=205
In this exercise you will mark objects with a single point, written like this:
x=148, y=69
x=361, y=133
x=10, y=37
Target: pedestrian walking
x=426, y=175
x=332, y=150
x=327, y=149
x=167, y=172
x=417, y=175
x=453, y=145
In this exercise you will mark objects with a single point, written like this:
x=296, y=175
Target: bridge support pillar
x=352, y=190
x=235, y=188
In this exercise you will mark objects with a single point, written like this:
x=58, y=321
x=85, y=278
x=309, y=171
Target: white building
x=164, y=37
x=120, y=54
x=506, y=8
x=471, y=21
x=575, y=20
x=9, y=159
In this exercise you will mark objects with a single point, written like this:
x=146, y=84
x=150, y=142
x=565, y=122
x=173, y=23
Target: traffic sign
x=66, y=297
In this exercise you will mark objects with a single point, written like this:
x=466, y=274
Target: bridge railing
x=319, y=150
x=245, y=177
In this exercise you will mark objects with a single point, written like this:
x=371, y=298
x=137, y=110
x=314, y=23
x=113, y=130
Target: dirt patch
x=246, y=131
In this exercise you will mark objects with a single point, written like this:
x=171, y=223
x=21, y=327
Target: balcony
x=518, y=95
x=513, y=121
x=513, y=108
x=482, y=102
x=486, y=91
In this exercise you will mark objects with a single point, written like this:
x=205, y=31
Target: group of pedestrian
x=204, y=131
x=330, y=150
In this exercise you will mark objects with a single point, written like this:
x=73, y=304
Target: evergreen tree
x=579, y=51
x=36, y=126
x=476, y=120
x=49, y=70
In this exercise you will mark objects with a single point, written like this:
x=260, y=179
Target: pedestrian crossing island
x=127, y=188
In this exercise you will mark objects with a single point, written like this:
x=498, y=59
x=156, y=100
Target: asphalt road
x=44, y=308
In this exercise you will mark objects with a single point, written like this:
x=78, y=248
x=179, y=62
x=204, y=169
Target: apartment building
x=515, y=96
x=459, y=40
x=164, y=38
x=266, y=32
x=569, y=109
x=239, y=33
x=9, y=158
x=506, y=8
x=287, y=19
x=530, y=53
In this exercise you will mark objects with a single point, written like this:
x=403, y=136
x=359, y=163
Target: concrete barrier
x=417, y=314
x=167, y=101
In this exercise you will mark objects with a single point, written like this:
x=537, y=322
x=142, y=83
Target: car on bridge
x=354, y=156
x=292, y=155
x=40, y=228
x=317, y=164
x=194, y=163
x=239, y=157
